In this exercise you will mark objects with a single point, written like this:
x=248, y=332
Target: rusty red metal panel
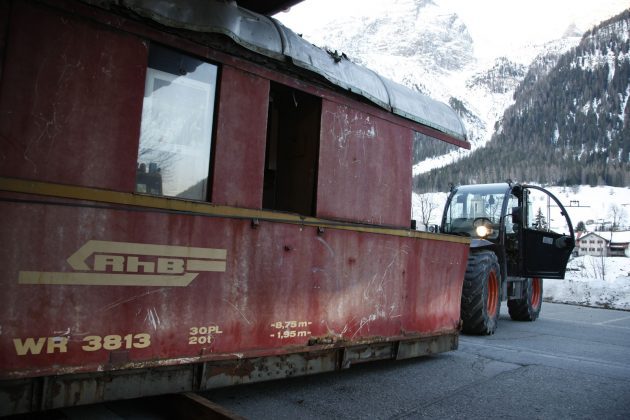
x=367, y=167
x=109, y=289
x=241, y=138
x=70, y=100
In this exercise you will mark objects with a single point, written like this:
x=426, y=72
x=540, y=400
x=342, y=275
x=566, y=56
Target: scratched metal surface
x=366, y=164
x=283, y=285
x=241, y=139
x=62, y=85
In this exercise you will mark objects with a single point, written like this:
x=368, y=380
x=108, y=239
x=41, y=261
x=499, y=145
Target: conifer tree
x=540, y=223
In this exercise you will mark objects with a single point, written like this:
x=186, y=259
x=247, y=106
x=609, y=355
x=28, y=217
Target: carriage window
x=176, y=129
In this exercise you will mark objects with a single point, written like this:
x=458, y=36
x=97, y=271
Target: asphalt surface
x=573, y=362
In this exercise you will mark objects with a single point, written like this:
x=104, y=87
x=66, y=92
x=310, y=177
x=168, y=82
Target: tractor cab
x=519, y=234
x=476, y=211
x=525, y=225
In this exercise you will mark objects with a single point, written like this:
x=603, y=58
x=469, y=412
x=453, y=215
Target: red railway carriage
x=196, y=197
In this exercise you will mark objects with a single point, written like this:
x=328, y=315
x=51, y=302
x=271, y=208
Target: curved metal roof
x=267, y=7
x=269, y=37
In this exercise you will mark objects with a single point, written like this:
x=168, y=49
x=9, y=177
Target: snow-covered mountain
x=426, y=46
x=569, y=123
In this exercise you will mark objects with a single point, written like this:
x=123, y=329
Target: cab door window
x=548, y=236
x=176, y=128
x=544, y=214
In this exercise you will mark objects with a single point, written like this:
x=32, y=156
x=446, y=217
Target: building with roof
x=608, y=244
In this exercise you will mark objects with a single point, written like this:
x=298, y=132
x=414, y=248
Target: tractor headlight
x=483, y=231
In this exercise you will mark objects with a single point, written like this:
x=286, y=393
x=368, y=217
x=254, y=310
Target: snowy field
x=589, y=281
x=593, y=281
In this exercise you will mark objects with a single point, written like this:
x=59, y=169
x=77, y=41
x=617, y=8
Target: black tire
x=481, y=297
x=528, y=307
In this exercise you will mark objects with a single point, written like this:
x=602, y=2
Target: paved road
x=573, y=362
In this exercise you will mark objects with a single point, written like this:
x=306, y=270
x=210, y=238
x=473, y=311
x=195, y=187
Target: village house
x=608, y=244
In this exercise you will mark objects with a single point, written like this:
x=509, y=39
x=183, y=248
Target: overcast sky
x=494, y=24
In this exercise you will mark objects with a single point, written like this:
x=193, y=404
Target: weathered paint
x=367, y=162
x=341, y=285
x=60, y=73
x=241, y=137
x=168, y=204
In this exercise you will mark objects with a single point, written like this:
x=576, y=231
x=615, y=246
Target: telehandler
x=520, y=234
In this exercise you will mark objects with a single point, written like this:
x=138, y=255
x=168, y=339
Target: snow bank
x=593, y=281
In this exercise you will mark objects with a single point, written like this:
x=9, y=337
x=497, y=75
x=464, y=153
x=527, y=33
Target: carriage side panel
x=62, y=73
x=367, y=162
x=241, y=137
x=109, y=289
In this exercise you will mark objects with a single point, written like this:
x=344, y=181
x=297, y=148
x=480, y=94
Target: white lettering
x=116, y=262
x=133, y=263
x=57, y=343
x=170, y=266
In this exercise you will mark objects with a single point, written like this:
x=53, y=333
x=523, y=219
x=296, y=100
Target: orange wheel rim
x=536, y=292
x=493, y=294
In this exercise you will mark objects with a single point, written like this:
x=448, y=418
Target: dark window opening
x=292, y=151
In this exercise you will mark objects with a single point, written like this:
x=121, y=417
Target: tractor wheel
x=481, y=300
x=528, y=307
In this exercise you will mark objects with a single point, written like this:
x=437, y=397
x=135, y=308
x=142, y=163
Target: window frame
x=198, y=151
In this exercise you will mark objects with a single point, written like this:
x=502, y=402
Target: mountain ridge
x=569, y=124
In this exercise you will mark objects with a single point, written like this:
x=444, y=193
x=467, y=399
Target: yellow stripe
x=129, y=248
x=99, y=279
x=200, y=265
x=167, y=203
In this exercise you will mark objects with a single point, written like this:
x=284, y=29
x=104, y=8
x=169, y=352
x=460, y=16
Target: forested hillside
x=570, y=123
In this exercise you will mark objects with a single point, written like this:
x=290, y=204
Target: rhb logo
x=104, y=263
